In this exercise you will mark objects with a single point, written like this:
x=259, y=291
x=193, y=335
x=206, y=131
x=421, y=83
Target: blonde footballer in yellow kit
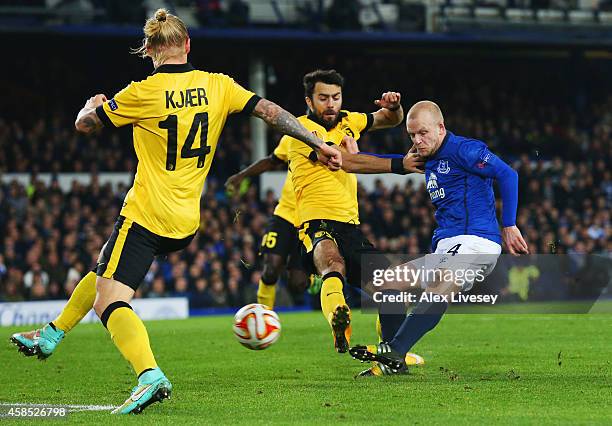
x=177, y=115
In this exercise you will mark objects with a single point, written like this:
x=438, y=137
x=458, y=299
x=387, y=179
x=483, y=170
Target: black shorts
x=352, y=244
x=127, y=255
x=281, y=238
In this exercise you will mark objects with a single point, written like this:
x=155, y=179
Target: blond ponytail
x=165, y=35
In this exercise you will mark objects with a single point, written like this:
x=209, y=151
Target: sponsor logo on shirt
x=432, y=182
x=113, y=105
x=432, y=187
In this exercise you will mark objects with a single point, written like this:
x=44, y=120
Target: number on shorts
x=269, y=239
x=454, y=249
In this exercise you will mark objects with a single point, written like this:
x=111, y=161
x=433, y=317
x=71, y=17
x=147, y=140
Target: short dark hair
x=321, y=76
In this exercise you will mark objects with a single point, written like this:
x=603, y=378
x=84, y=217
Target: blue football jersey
x=459, y=180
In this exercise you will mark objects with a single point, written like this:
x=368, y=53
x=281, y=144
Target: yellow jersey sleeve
x=124, y=108
x=361, y=121
x=238, y=98
x=282, y=150
x=300, y=148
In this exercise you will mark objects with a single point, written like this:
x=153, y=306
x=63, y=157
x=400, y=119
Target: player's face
x=426, y=133
x=326, y=102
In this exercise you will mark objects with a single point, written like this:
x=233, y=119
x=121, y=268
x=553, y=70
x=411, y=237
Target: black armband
x=250, y=105
x=276, y=160
x=313, y=154
x=397, y=166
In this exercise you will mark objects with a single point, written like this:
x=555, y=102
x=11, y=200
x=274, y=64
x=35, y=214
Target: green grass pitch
x=511, y=369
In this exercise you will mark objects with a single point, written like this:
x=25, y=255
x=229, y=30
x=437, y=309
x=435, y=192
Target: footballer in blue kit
x=459, y=174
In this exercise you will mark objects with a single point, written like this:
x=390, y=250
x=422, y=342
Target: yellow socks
x=331, y=294
x=266, y=294
x=129, y=335
x=81, y=301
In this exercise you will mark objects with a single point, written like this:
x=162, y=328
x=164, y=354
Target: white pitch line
x=70, y=407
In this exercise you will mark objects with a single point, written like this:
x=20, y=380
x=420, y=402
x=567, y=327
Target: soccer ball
x=256, y=326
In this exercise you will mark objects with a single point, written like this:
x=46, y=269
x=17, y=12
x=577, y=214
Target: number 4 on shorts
x=454, y=250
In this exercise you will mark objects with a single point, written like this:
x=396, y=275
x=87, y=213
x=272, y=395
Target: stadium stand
x=548, y=114
x=50, y=237
x=330, y=15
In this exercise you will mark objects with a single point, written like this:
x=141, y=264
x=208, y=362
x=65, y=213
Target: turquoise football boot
x=153, y=386
x=41, y=342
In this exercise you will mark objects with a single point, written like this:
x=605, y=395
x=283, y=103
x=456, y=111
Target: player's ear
x=309, y=103
x=188, y=45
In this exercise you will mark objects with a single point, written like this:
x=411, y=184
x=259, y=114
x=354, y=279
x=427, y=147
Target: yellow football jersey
x=321, y=193
x=177, y=115
x=286, y=204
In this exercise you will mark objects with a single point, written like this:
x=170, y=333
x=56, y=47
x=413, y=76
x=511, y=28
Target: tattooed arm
x=285, y=123
x=87, y=120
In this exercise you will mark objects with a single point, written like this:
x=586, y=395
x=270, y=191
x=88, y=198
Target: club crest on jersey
x=113, y=105
x=443, y=167
x=432, y=182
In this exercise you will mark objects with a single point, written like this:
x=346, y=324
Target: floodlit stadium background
x=532, y=79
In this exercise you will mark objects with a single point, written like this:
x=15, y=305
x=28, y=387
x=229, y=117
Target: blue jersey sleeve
x=475, y=157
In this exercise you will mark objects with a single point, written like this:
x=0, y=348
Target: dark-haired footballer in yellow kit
x=338, y=193
x=327, y=207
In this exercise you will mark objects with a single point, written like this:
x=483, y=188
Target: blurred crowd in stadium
x=50, y=238
x=557, y=135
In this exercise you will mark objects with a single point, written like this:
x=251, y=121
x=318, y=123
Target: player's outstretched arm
x=266, y=164
x=367, y=163
x=390, y=113
x=87, y=120
x=285, y=123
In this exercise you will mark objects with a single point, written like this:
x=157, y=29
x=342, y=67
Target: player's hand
x=95, y=101
x=413, y=163
x=330, y=156
x=350, y=144
x=514, y=241
x=389, y=100
x=233, y=183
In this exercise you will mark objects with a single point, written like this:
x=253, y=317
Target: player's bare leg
x=130, y=336
x=330, y=264
x=298, y=280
